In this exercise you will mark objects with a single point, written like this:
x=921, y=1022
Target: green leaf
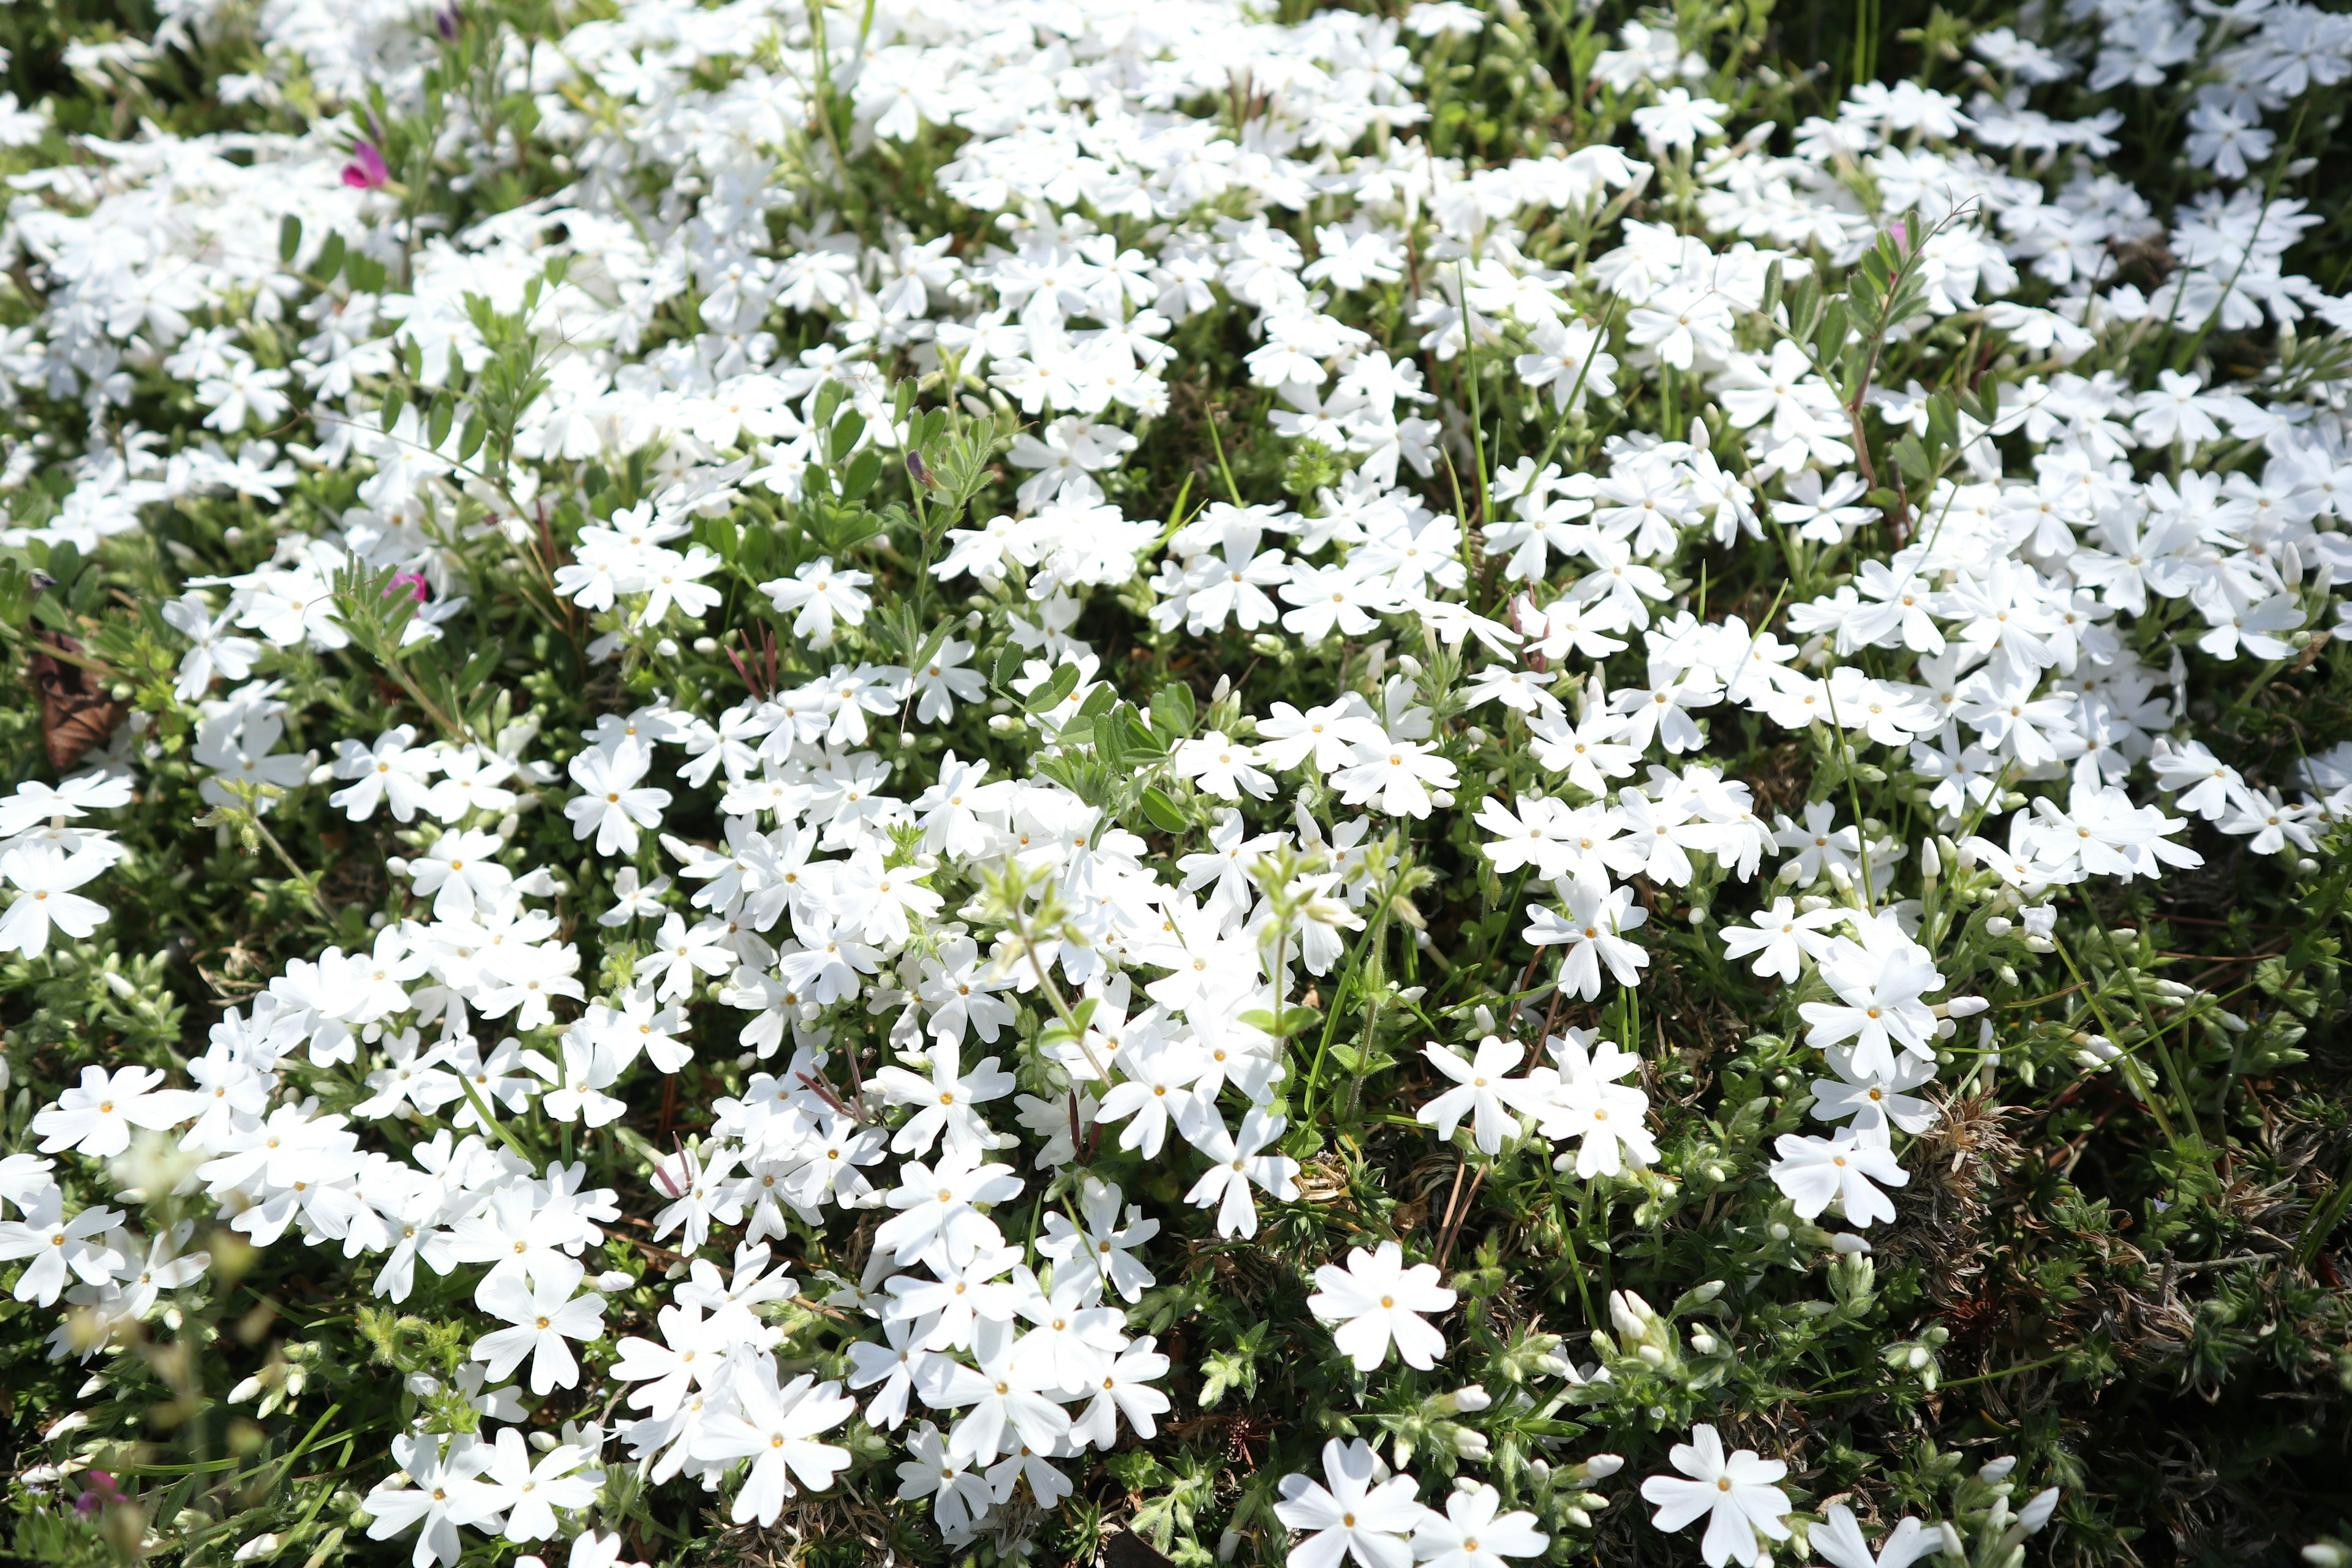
x=436, y=427
x=395, y=400
x=479, y=668
x=1009, y=660
x=1163, y=811
x=864, y=468
x=289, y=238
x=842, y=439
x=1912, y=457
x=1172, y=710
x=1055, y=690
x=328, y=262
x=1223, y=1371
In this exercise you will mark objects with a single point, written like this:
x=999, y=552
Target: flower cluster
x=980, y=721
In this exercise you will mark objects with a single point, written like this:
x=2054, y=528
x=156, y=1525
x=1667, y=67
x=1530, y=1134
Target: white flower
x=817, y=593
x=443, y=1492
x=44, y=882
x=1879, y=1005
x=1472, y=1534
x=95, y=1117
x=1399, y=774
x=1481, y=1091
x=1238, y=1162
x=1584, y=1100
x=776, y=1429
x=1780, y=939
x=1839, y=1542
x=391, y=771
x=1376, y=1298
x=1360, y=1512
x=528, y=1492
x=1816, y=1171
x=613, y=805
x=1734, y=1494
x=544, y=1315
x=1593, y=931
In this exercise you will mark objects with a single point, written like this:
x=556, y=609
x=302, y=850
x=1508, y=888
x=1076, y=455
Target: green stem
x=493, y=1122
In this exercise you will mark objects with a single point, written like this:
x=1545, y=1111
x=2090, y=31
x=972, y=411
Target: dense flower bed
x=922, y=782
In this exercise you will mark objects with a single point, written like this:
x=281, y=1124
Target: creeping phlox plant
x=913, y=782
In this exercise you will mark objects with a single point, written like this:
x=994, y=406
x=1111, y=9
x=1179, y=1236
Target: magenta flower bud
x=367, y=170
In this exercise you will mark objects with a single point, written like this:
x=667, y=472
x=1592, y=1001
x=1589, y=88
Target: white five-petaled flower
x=1376, y=1298
x=44, y=880
x=1816, y=1171
x=776, y=1429
x=612, y=803
x=1473, y=1533
x=1735, y=1493
x=1482, y=1091
x=95, y=1117
x=1592, y=929
x=1359, y=1511
x=544, y=1314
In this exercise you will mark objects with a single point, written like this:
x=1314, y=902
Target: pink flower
x=367, y=170
x=412, y=581
x=98, y=1491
